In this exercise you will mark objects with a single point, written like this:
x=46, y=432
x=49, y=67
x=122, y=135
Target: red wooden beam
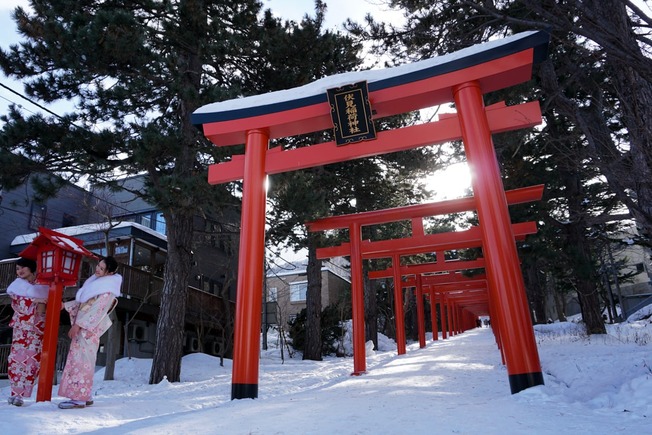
x=450, y=278
x=375, y=217
x=501, y=118
x=280, y=121
x=417, y=269
x=471, y=238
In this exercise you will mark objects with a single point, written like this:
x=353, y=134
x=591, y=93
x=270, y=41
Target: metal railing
x=4, y=355
x=60, y=363
x=136, y=283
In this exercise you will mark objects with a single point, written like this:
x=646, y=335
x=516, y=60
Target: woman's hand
x=74, y=330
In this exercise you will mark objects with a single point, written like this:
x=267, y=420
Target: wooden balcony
x=141, y=291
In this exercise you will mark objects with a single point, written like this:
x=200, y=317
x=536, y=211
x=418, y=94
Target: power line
x=18, y=105
x=31, y=101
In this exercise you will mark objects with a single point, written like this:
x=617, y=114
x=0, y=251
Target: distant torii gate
x=417, y=243
x=462, y=77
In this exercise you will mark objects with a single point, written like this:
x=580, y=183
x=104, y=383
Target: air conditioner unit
x=215, y=348
x=193, y=344
x=138, y=333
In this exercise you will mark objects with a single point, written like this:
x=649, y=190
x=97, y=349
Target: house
x=632, y=260
x=22, y=212
x=135, y=234
x=625, y=273
x=286, y=289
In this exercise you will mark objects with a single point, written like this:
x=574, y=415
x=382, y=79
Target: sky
x=337, y=12
x=592, y=385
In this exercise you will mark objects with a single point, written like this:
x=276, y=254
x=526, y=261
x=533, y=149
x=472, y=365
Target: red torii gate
x=462, y=77
x=473, y=290
x=469, y=297
x=416, y=244
x=462, y=294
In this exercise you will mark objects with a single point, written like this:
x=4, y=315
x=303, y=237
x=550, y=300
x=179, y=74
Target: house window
x=159, y=223
x=68, y=220
x=298, y=291
x=99, y=251
x=146, y=220
x=272, y=294
x=37, y=216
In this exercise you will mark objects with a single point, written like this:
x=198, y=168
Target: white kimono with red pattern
x=28, y=326
x=89, y=311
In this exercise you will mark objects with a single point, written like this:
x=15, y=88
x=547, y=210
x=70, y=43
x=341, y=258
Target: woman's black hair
x=26, y=262
x=111, y=263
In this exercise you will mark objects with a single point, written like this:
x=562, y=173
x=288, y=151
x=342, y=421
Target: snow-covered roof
x=377, y=79
x=86, y=229
x=297, y=268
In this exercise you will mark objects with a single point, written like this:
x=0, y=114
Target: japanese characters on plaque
x=351, y=113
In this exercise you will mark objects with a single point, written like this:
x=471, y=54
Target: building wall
x=637, y=261
x=75, y=206
x=21, y=213
x=334, y=289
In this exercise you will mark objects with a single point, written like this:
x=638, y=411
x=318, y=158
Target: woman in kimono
x=89, y=317
x=28, y=302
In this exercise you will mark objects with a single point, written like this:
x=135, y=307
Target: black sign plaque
x=351, y=113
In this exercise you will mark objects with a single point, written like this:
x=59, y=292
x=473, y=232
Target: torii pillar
x=252, y=251
x=501, y=256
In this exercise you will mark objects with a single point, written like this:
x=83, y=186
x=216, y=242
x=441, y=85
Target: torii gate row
x=442, y=288
x=445, y=287
x=394, y=249
x=463, y=77
x=454, y=304
x=451, y=280
x=462, y=295
x=416, y=244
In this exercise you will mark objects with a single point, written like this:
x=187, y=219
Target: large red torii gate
x=462, y=77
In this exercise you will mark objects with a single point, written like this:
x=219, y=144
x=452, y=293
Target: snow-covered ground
x=593, y=385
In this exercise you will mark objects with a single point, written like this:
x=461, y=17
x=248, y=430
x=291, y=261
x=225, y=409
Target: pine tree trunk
x=587, y=290
x=313, y=344
x=535, y=292
x=560, y=307
x=170, y=326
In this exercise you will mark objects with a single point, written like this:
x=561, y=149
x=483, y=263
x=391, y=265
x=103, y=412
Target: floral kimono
x=28, y=323
x=92, y=316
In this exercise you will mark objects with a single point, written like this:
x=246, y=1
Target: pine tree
x=597, y=80
x=135, y=71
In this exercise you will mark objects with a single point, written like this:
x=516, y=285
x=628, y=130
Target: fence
x=4, y=355
x=136, y=284
x=60, y=363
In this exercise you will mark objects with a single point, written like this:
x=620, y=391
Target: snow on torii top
x=223, y=121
